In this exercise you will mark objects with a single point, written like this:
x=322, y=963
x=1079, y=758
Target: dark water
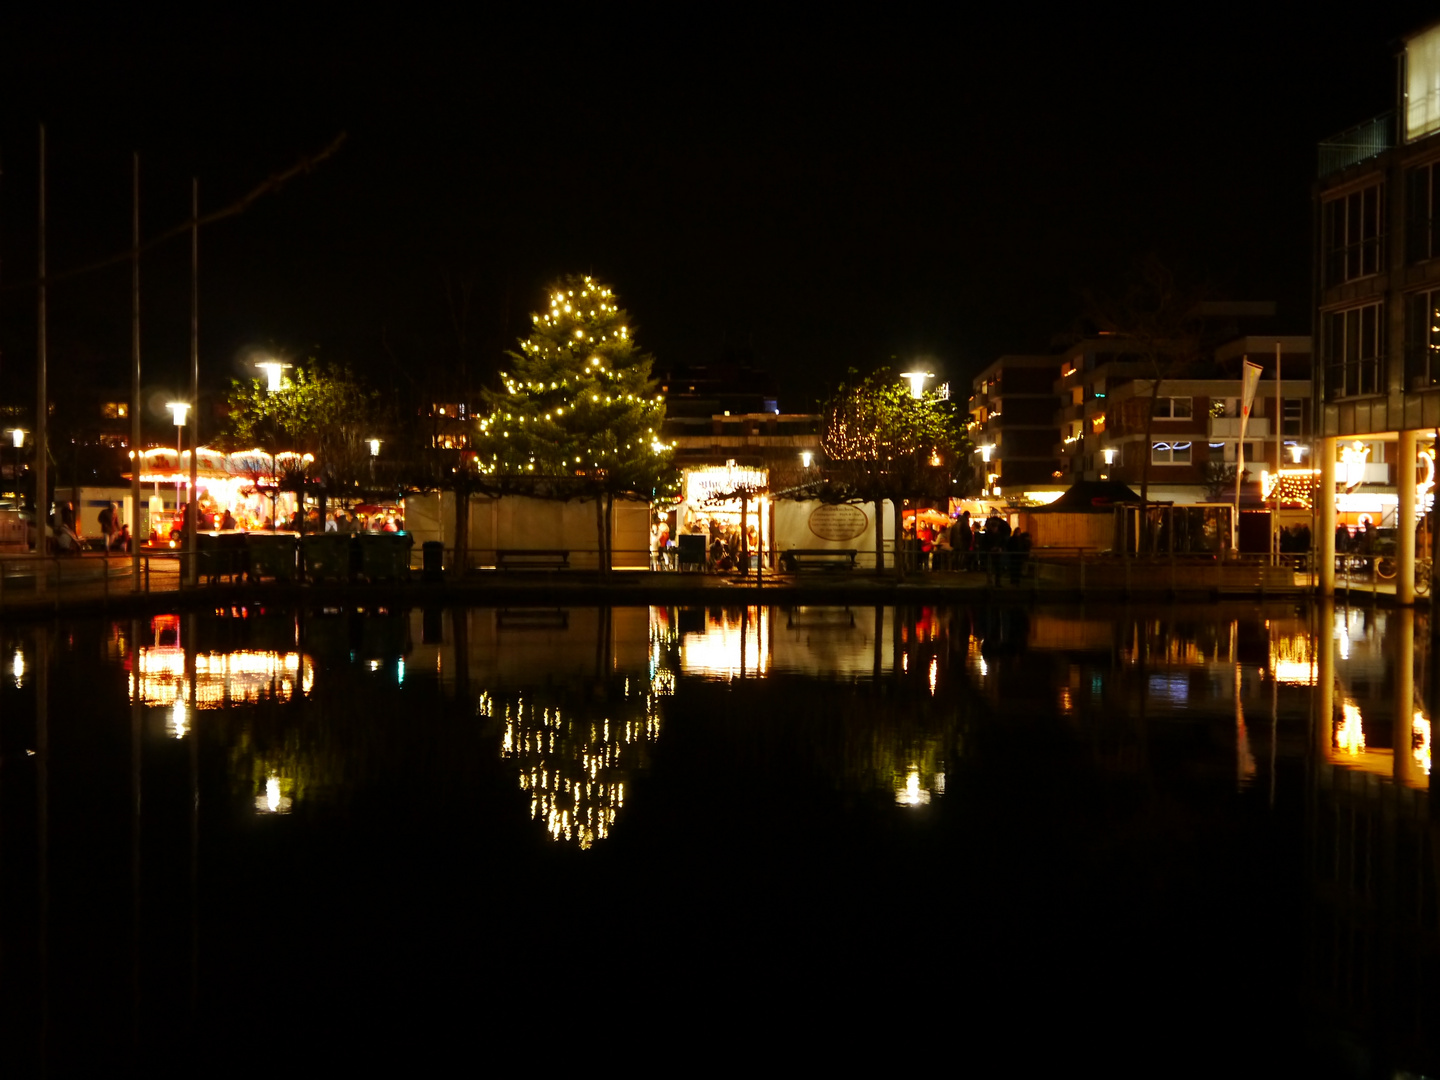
x=1009, y=840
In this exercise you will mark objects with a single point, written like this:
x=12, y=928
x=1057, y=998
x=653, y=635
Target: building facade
x=1377, y=282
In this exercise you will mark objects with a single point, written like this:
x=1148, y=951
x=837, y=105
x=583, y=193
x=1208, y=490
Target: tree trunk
x=607, y=555
x=879, y=537
x=897, y=514
x=462, y=525
x=744, y=534
x=600, y=533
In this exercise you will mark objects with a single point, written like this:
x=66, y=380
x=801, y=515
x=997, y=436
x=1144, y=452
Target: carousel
x=240, y=490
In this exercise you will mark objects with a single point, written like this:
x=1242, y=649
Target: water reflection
x=964, y=749
x=578, y=742
x=162, y=673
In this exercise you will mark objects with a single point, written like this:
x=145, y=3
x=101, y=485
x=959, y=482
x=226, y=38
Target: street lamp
x=1297, y=453
x=917, y=381
x=805, y=458
x=374, y=453
x=180, y=409
x=1109, y=453
x=273, y=370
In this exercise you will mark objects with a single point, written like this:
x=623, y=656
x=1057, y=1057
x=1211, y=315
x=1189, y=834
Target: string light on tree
x=578, y=405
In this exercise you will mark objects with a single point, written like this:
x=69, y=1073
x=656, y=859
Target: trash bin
x=272, y=555
x=327, y=555
x=432, y=556
x=384, y=556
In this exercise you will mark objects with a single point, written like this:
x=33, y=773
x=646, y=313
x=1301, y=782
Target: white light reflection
x=274, y=801
x=911, y=793
x=17, y=667
x=1350, y=731
x=178, y=725
x=934, y=673
x=1420, y=741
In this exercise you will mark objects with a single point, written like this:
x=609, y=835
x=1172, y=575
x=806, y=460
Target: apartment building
x=1377, y=279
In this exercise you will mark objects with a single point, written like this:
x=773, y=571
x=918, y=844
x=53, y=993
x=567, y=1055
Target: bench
x=831, y=559
x=532, y=619
x=532, y=559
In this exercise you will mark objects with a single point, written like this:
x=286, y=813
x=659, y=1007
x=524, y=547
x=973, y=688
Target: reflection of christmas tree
x=577, y=753
x=575, y=761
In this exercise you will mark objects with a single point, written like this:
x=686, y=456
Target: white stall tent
x=809, y=523
x=520, y=521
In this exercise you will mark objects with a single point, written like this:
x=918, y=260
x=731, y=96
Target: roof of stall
x=1090, y=497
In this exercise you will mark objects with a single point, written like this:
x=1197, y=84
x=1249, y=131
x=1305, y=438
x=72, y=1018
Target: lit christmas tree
x=577, y=407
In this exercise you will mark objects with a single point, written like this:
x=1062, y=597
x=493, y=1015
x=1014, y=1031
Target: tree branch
x=269, y=186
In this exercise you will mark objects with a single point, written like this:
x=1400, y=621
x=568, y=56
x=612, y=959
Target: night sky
x=813, y=194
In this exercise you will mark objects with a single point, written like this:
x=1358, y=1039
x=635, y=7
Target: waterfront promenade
x=92, y=582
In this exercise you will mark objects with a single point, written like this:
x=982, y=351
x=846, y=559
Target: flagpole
x=1239, y=464
x=1249, y=382
x=1279, y=458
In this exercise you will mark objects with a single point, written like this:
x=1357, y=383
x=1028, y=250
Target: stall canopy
x=161, y=465
x=1089, y=497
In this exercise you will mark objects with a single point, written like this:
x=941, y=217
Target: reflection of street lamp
x=805, y=458
x=273, y=370
x=374, y=453
x=17, y=440
x=917, y=381
x=1297, y=453
x=179, y=409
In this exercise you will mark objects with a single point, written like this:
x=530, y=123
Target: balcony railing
x=1359, y=143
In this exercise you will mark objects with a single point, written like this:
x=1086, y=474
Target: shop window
x=1170, y=453
x=1353, y=343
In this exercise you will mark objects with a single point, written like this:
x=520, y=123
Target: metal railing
x=1365, y=140
x=29, y=580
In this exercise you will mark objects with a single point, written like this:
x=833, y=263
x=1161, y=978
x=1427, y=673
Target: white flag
x=1250, y=381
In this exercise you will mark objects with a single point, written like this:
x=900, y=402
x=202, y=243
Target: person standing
x=107, y=524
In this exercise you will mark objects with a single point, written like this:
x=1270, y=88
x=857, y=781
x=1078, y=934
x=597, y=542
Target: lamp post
x=986, y=449
x=17, y=440
x=274, y=370
x=917, y=381
x=374, y=453
x=805, y=458
x=179, y=409
x=1109, y=453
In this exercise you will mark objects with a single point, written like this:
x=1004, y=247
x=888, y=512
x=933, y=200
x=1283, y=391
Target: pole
x=1279, y=459
x=135, y=460
x=192, y=511
x=42, y=396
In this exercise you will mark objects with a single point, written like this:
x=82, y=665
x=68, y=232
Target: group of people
x=721, y=541
x=967, y=544
x=1362, y=541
